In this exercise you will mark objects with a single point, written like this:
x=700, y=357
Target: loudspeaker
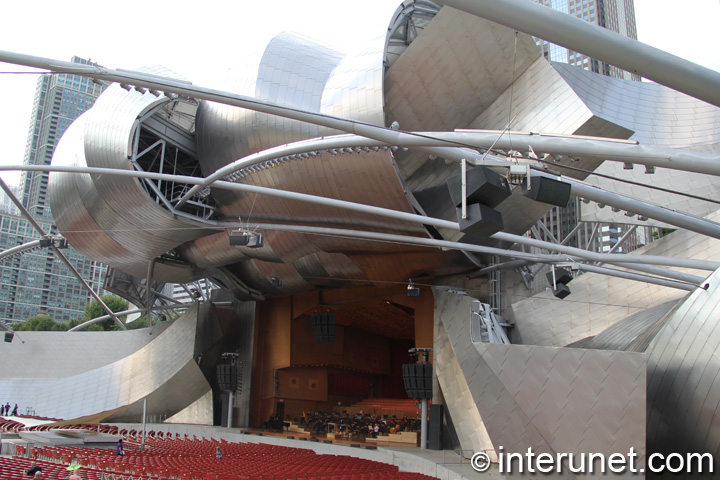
x=227, y=377
x=323, y=325
x=481, y=223
x=435, y=428
x=548, y=190
x=561, y=291
x=562, y=275
x=9, y=336
x=418, y=380
x=482, y=186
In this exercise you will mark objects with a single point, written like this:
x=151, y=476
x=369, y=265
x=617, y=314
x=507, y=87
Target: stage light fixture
x=243, y=238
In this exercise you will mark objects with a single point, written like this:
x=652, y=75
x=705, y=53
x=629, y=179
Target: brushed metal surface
x=683, y=386
x=297, y=72
x=658, y=116
x=453, y=70
x=628, y=331
x=456, y=73
x=111, y=218
x=549, y=399
x=599, y=301
x=163, y=369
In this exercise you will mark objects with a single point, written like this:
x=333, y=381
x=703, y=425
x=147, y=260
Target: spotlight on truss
x=243, y=238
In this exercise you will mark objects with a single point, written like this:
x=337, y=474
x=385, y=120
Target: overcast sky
x=198, y=41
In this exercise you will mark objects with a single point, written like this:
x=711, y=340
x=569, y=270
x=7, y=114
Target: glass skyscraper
x=615, y=15
x=38, y=282
x=59, y=100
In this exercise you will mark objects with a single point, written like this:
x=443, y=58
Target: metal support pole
x=424, y=410
x=230, y=408
x=423, y=424
x=464, y=187
x=144, y=418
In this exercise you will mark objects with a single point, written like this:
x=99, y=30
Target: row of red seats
x=282, y=460
x=10, y=426
x=194, y=459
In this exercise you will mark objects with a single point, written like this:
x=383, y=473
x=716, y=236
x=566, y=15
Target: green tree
x=95, y=310
x=139, y=323
x=38, y=323
x=76, y=322
x=60, y=327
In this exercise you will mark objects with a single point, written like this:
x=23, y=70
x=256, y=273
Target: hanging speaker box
x=323, y=325
x=482, y=185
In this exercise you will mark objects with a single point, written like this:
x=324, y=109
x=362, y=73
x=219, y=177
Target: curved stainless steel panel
x=547, y=399
x=683, y=382
x=365, y=177
x=134, y=228
x=293, y=71
x=658, y=116
x=70, y=212
x=456, y=73
x=78, y=390
x=355, y=88
x=455, y=69
x=626, y=333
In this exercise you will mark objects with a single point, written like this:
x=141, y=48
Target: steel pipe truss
x=563, y=253
x=454, y=146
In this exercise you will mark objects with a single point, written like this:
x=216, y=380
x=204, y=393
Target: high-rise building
x=37, y=282
x=6, y=204
x=615, y=15
x=59, y=100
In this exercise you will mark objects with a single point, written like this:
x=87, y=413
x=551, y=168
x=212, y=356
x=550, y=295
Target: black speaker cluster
x=418, y=380
x=9, y=336
x=484, y=190
x=562, y=278
x=548, y=190
x=227, y=377
x=323, y=325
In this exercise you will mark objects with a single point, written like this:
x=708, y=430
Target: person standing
x=120, y=449
x=7, y=409
x=2, y=410
x=218, y=453
x=15, y=410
